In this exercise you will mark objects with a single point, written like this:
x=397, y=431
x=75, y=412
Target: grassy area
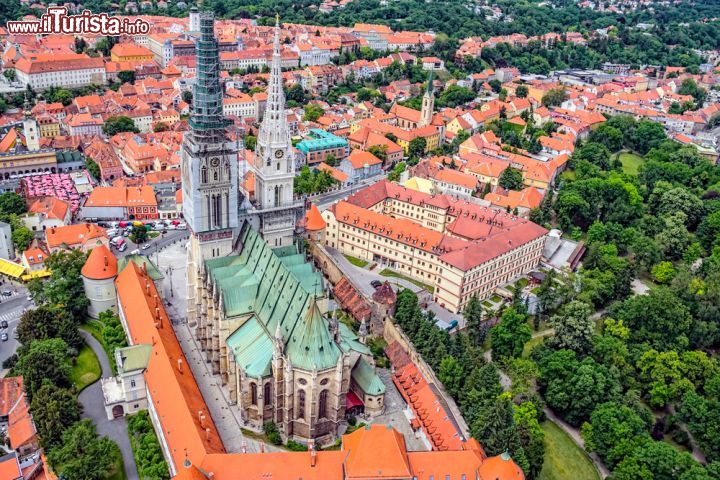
x=119, y=470
x=94, y=328
x=564, y=460
x=568, y=175
x=531, y=344
x=487, y=304
x=523, y=282
x=495, y=298
x=392, y=273
x=86, y=370
x=630, y=162
x=358, y=262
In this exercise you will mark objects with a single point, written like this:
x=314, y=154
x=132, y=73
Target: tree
x=250, y=142
x=659, y=461
x=574, y=329
x=679, y=199
x=113, y=334
x=510, y=335
x=495, y=429
x=54, y=410
x=574, y=388
x=521, y=91
x=674, y=238
x=12, y=203
x=609, y=136
x=394, y=176
x=93, y=168
x=511, y=179
x=105, y=44
x=46, y=322
x=662, y=376
x=380, y=151
x=595, y=153
x=64, y=288
x=708, y=231
x=187, y=96
x=646, y=136
x=531, y=437
x=22, y=237
x=659, y=319
x=664, y=272
x=80, y=45
x=83, y=455
x=474, y=316
x=495, y=85
x=139, y=234
x=690, y=87
x=126, y=76
x=451, y=375
x=146, y=448
x=313, y=112
x=614, y=431
x=44, y=360
x=119, y=124
x=417, y=147
x=296, y=93
x=554, y=97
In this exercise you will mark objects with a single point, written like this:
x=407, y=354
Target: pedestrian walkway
x=93, y=403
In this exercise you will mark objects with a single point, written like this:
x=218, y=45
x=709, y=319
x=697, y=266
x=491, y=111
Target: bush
x=272, y=433
x=10, y=362
x=294, y=446
x=146, y=448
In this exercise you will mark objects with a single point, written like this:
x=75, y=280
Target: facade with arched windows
x=281, y=359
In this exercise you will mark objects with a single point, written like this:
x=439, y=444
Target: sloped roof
x=366, y=378
x=101, y=264
x=311, y=346
x=376, y=451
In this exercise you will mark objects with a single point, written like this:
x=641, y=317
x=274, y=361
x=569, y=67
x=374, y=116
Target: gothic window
x=322, y=407
x=203, y=174
x=226, y=169
x=277, y=196
x=267, y=162
x=253, y=393
x=267, y=397
x=301, y=405
x=215, y=175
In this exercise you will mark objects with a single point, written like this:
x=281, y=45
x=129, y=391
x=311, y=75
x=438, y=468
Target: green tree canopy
x=119, y=124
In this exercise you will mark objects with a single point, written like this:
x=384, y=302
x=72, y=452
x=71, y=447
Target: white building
x=7, y=251
x=126, y=393
x=69, y=70
x=98, y=276
x=242, y=107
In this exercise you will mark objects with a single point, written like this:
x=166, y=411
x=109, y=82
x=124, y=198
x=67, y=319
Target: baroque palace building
x=457, y=247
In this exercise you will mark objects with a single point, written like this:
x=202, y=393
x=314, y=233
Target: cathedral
x=254, y=301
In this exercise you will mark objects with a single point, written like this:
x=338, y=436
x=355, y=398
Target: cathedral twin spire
x=274, y=129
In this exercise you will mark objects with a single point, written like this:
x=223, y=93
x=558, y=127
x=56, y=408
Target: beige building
x=457, y=247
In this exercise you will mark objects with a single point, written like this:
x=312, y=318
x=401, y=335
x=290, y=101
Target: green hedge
x=146, y=448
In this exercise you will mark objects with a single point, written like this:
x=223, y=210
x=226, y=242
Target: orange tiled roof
x=21, y=428
x=376, y=451
x=313, y=220
x=100, y=265
x=72, y=234
x=175, y=394
x=121, y=196
x=10, y=468
x=360, y=158
x=448, y=175
x=11, y=388
x=51, y=207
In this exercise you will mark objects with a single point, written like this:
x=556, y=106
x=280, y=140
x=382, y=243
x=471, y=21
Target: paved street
x=11, y=309
x=362, y=278
x=155, y=244
x=94, y=408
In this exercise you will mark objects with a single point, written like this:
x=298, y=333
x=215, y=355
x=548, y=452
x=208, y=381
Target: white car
x=146, y=246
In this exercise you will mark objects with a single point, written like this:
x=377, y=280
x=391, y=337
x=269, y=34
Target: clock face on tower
x=214, y=162
x=279, y=153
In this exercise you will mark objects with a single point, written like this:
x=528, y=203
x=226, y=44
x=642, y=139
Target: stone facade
x=281, y=359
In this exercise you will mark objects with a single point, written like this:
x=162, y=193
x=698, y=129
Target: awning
x=36, y=274
x=352, y=401
x=11, y=269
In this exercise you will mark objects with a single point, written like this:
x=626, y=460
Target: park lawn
x=530, y=344
x=568, y=175
x=358, y=262
x=86, y=370
x=564, y=460
x=392, y=273
x=630, y=162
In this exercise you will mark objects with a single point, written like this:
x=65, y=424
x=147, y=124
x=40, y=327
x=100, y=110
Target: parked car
x=135, y=252
x=182, y=226
x=376, y=283
x=4, y=337
x=122, y=247
x=146, y=246
x=6, y=293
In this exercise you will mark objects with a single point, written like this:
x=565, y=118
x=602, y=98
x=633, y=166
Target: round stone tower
x=98, y=275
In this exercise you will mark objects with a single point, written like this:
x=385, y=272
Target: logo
x=56, y=20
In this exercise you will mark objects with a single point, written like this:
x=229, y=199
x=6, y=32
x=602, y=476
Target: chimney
x=201, y=417
x=147, y=287
x=106, y=261
x=262, y=447
x=207, y=434
x=243, y=448
x=180, y=365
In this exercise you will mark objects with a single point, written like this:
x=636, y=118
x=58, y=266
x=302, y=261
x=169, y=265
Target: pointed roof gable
x=311, y=346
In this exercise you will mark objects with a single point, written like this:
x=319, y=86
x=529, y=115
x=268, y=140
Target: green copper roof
x=311, y=347
x=134, y=357
x=349, y=340
x=252, y=347
x=364, y=375
x=277, y=287
x=140, y=260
